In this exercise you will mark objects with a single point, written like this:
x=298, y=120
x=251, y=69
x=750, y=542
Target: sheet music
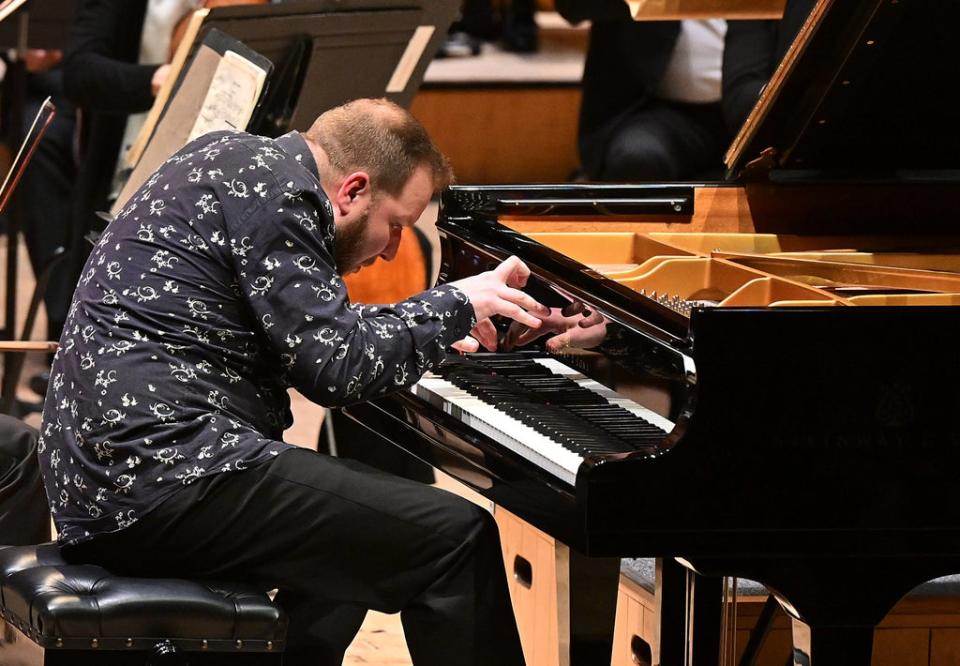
x=232, y=96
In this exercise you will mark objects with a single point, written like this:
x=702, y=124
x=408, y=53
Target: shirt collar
x=296, y=147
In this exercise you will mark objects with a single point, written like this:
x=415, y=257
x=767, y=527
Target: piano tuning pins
x=672, y=301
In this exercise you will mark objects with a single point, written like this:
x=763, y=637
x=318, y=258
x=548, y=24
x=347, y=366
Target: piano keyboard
x=543, y=410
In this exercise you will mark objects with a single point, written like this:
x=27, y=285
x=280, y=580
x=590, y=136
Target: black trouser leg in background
x=336, y=538
x=47, y=190
x=666, y=141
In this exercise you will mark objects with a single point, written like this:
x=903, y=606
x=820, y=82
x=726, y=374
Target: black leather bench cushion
x=71, y=606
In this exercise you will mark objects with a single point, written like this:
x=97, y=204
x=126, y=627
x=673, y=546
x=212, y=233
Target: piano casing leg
x=831, y=646
x=689, y=613
x=706, y=619
x=671, y=600
x=592, y=598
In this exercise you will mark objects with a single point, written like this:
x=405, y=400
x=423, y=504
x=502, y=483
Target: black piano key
x=556, y=406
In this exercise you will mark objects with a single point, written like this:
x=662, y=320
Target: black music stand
x=312, y=51
x=327, y=52
x=40, y=25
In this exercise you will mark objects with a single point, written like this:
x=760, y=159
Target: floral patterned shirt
x=211, y=293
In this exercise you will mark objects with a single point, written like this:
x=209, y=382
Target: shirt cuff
x=452, y=308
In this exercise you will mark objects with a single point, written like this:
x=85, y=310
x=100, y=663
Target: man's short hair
x=381, y=138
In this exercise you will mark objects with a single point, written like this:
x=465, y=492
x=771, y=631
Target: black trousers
x=336, y=538
x=666, y=141
x=24, y=514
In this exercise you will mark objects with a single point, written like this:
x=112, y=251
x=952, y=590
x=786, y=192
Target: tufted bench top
x=70, y=606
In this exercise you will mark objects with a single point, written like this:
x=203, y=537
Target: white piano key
x=501, y=427
x=536, y=447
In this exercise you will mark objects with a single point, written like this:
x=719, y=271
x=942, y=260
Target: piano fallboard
x=475, y=460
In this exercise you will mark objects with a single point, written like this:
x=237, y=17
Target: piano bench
x=83, y=614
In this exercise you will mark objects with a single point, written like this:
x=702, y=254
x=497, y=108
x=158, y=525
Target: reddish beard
x=348, y=244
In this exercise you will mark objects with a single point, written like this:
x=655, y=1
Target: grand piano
x=774, y=390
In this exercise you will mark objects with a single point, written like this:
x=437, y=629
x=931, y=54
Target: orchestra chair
x=53, y=613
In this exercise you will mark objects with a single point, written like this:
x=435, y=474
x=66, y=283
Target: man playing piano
x=216, y=288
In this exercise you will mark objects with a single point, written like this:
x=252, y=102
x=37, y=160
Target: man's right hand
x=497, y=292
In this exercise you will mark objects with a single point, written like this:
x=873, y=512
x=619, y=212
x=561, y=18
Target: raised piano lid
x=858, y=109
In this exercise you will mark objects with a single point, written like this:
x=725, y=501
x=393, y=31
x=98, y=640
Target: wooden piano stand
x=564, y=603
x=567, y=605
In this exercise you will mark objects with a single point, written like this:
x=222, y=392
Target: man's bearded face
x=378, y=230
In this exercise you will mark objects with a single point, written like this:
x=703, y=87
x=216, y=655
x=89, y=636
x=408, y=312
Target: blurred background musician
x=646, y=113
x=114, y=68
x=45, y=191
x=752, y=53
x=663, y=99
x=511, y=22
x=24, y=517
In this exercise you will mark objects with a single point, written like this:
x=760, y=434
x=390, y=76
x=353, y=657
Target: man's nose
x=393, y=246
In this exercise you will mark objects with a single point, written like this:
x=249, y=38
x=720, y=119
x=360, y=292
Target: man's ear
x=353, y=193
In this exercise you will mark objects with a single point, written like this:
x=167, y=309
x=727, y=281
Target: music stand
x=38, y=25
x=312, y=51
x=327, y=52
x=315, y=48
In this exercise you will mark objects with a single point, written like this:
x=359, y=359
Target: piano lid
x=861, y=94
